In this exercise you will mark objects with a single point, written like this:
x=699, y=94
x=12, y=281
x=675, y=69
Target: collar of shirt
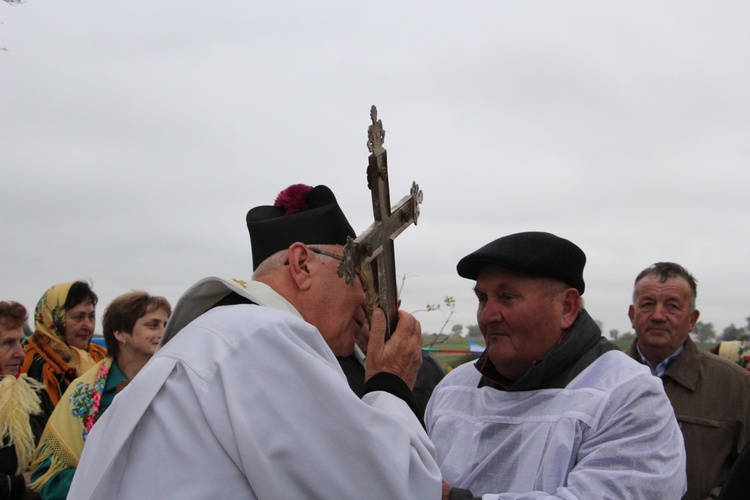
x=660, y=369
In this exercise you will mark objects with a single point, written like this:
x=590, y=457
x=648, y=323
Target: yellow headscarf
x=49, y=321
x=49, y=335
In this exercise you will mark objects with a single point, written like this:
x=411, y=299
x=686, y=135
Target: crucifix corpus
x=374, y=247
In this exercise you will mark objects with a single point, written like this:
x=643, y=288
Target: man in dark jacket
x=710, y=395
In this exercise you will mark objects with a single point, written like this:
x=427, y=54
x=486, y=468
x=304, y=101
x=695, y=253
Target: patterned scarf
x=62, y=363
x=70, y=423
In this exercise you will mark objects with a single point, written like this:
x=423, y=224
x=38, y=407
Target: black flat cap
x=302, y=213
x=533, y=253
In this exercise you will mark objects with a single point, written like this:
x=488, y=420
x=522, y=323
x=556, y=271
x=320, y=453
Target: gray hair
x=279, y=259
x=667, y=270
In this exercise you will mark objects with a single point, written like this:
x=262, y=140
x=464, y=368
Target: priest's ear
x=298, y=258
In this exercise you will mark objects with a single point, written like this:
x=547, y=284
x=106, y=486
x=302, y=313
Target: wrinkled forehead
x=7, y=334
x=654, y=285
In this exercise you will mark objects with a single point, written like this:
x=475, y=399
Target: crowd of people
x=284, y=386
x=53, y=391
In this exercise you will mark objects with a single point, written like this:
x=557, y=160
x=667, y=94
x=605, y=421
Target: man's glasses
x=321, y=252
x=327, y=254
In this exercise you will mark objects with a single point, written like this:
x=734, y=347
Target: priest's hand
x=402, y=354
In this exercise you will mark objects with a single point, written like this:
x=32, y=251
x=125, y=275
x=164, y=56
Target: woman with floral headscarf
x=133, y=324
x=61, y=349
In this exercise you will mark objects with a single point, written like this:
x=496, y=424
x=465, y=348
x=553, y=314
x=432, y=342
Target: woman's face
x=11, y=350
x=146, y=334
x=79, y=325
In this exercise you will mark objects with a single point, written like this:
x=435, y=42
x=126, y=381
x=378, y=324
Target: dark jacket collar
x=685, y=368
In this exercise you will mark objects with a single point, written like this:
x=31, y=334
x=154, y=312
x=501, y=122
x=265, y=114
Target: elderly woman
x=133, y=325
x=60, y=349
x=22, y=405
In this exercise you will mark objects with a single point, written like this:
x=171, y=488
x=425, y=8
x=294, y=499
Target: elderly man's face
x=341, y=313
x=520, y=317
x=662, y=315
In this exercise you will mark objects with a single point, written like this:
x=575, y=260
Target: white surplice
x=610, y=433
x=248, y=401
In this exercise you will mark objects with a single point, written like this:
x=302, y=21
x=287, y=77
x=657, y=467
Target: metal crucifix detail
x=375, y=245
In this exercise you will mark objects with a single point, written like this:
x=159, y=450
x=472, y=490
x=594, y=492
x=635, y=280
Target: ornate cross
x=375, y=246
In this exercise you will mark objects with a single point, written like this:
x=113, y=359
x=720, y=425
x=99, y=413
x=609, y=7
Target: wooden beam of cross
x=374, y=247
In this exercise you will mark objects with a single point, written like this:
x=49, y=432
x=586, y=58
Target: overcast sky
x=134, y=137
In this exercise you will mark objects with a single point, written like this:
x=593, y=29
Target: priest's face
x=341, y=307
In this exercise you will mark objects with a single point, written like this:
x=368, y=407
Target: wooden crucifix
x=374, y=246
